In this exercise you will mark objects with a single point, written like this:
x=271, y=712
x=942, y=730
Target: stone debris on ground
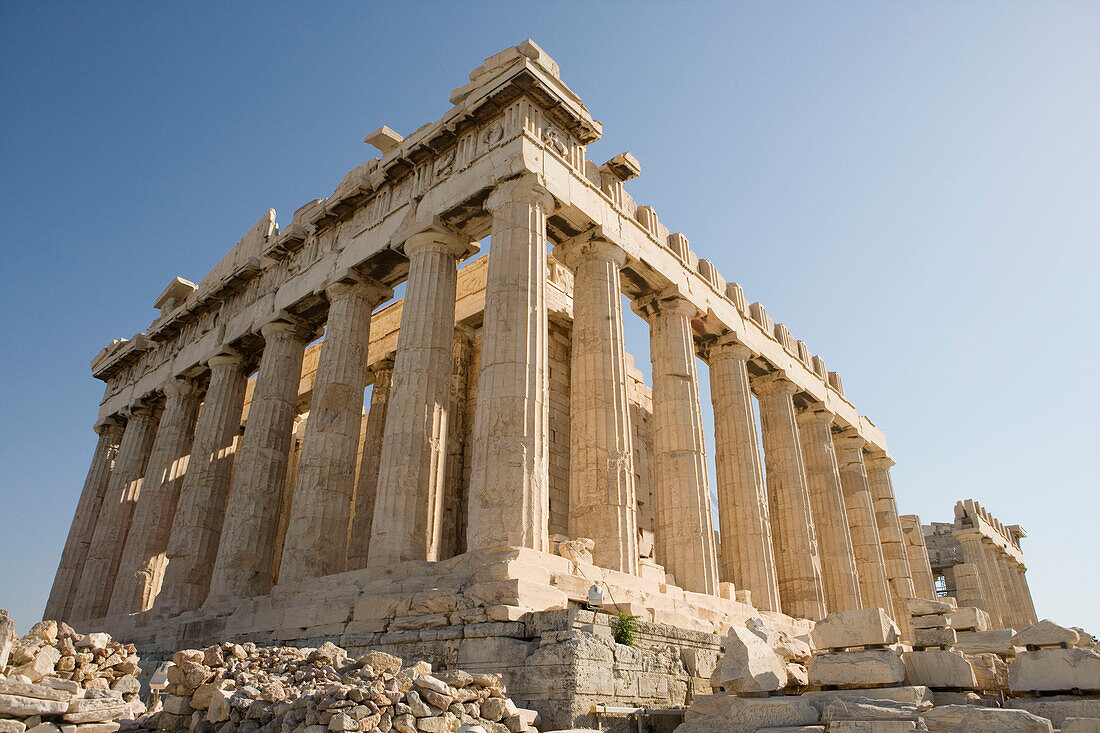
x=242, y=688
x=55, y=680
x=866, y=680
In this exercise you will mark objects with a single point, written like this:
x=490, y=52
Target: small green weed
x=624, y=627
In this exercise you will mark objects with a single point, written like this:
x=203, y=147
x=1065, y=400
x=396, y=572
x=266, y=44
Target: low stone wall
x=560, y=663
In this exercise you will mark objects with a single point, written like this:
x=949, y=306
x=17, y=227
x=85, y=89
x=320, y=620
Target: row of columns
x=804, y=541
x=993, y=580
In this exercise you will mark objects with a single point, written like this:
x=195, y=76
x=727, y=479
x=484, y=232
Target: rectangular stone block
x=916, y=695
x=711, y=713
x=871, y=726
x=969, y=618
x=1058, y=708
x=927, y=607
x=24, y=707
x=934, y=621
x=933, y=637
x=1052, y=670
x=938, y=668
x=857, y=669
x=861, y=627
x=994, y=641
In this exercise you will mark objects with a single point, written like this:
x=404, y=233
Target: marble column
x=200, y=511
x=97, y=579
x=141, y=567
x=969, y=590
x=286, y=496
x=408, y=508
x=924, y=584
x=746, y=558
x=243, y=565
x=317, y=536
x=602, y=501
x=798, y=564
x=840, y=577
x=1016, y=617
x=454, y=491
x=898, y=574
x=509, y=500
x=683, y=531
x=973, y=546
x=367, y=483
x=67, y=580
x=874, y=588
x=1027, y=603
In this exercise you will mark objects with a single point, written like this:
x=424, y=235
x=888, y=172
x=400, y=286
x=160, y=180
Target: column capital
x=879, y=459
x=774, y=383
x=140, y=409
x=181, y=387
x=666, y=301
x=729, y=344
x=441, y=240
x=849, y=439
x=284, y=329
x=384, y=364
x=816, y=412
x=528, y=187
x=590, y=245
x=224, y=359
x=107, y=424
x=351, y=285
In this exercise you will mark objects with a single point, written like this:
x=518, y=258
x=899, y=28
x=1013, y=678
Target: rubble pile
x=237, y=688
x=862, y=678
x=55, y=680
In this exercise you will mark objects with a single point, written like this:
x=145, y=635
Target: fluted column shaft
x=67, y=580
x=974, y=550
x=898, y=574
x=509, y=500
x=969, y=589
x=840, y=577
x=1027, y=603
x=602, y=501
x=746, y=558
x=243, y=564
x=1016, y=616
x=454, y=488
x=101, y=565
x=798, y=564
x=141, y=567
x=683, y=532
x=924, y=584
x=366, y=487
x=286, y=496
x=874, y=588
x=317, y=536
x=408, y=509
x=200, y=511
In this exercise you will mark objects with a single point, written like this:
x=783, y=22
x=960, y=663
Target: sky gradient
x=912, y=188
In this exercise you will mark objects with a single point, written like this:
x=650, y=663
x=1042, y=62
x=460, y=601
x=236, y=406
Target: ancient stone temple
x=978, y=560
x=510, y=456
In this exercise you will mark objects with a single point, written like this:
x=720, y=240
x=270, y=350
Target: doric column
x=1015, y=616
x=924, y=584
x=141, y=568
x=874, y=588
x=317, y=536
x=602, y=502
x=975, y=553
x=409, y=505
x=67, y=580
x=1027, y=603
x=509, y=482
x=97, y=579
x=286, y=496
x=798, y=565
x=200, y=511
x=366, y=485
x=898, y=573
x=243, y=565
x=746, y=557
x=683, y=533
x=969, y=590
x=454, y=488
x=840, y=577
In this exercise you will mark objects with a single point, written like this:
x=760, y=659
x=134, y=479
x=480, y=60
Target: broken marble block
x=1046, y=633
x=748, y=664
x=865, y=668
x=1055, y=670
x=861, y=627
x=939, y=668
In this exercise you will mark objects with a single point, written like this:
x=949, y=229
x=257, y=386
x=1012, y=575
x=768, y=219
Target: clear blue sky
x=913, y=188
